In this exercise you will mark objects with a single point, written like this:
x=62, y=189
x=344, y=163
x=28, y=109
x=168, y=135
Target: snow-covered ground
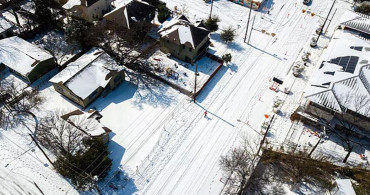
x=184, y=159
x=183, y=73
x=23, y=167
x=160, y=138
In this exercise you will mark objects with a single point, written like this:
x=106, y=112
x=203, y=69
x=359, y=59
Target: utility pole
x=249, y=38
x=195, y=82
x=322, y=28
x=37, y=144
x=249, y=17
x=210, y=13
x=330, y=20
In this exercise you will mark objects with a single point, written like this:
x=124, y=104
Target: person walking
x=205, y=114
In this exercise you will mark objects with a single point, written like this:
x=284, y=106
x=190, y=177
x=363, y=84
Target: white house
x=89, y=10
x=341, y=84
x=25, y=59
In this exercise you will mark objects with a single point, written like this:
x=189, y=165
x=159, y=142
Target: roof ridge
x=68, y=80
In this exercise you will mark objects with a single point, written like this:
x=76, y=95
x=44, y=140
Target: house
x=5, y=28
x=92, y=74
x=184, y=40
x=356, y=22
x=89, y=10
x=92, y=117
x=125, y=13
x=256, y=4
x=25, y=59
x=341, y=85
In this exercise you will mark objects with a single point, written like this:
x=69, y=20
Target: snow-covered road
x=185, y=158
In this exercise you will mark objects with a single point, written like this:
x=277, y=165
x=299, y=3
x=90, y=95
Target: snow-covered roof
x=344, y=74
x=344, y=187
x=87, y=73
x=133, y=10
x=71, y=3
x=21, y=55
x=356, y=21
x=181, y=31
x=94, y=128
x=4, y=25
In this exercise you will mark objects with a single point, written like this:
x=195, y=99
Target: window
x=190, y=49
x=183, y=46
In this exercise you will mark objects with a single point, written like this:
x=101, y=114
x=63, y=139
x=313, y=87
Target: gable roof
x=132, y=11
x=181, y=31
x=21, y=55
x=338, y=85
x=87, y=73
x=356, y=21
x=138, y=10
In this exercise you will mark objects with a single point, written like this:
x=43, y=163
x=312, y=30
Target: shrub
x=163, y=12
x=212, y=23
x=228, y=34
x=227, y=57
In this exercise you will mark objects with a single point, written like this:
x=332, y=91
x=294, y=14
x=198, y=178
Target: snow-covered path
x=185, y=158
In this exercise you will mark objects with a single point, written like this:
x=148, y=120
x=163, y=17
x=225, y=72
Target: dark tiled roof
x=198, y=35
x=182, y=17
x=139, y=10
x=90, y=2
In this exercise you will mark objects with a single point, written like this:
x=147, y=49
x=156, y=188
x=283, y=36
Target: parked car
x=306, y=2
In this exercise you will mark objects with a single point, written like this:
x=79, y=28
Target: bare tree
x=15, y=100
x=61, y=136
x=13, y=10
x=238, y=165
x=352, y=114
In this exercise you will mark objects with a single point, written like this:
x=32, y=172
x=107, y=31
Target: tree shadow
x=268, y=5
x=150, y=91
x=233, y=67
x=235, y=46
x=117, y=181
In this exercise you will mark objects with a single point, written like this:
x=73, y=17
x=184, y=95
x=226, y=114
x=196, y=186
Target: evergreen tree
x=90, y=160
x=227, y=57
x=163, y=12
x=228, y=34
x=44, y=13
x=212, y=23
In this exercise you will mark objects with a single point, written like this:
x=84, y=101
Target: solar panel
x=348, y=63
